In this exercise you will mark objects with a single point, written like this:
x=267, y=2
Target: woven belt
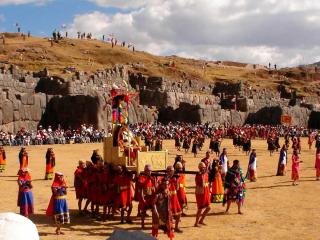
x=173, y=192
x=60, y=197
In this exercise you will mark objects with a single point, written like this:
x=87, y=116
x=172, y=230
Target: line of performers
x=50, y=160
x=184, y=140
x=114, y=189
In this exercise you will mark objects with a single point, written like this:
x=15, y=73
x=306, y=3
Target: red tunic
x=147, y=185
x=105, y=194
x=137, y=191
x=86, y=173
x=92, y=185
x=79, y=183
x=124, y=192
x=96, y=187
x=174, y=201
x=202, y=190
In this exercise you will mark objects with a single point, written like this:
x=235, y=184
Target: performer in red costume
x=174, y=200
x=124, y=192
x=147, y=184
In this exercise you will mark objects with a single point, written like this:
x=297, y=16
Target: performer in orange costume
x=202, y=194
x=50, y=164
x=181, y=192
x=3, y=162
x=23, y=158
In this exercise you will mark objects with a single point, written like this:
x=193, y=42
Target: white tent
x=17, y=227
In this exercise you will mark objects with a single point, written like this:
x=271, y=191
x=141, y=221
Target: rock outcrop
x=195, y=101
x=29, y=99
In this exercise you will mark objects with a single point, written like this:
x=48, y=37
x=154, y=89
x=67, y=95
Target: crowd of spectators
x=85, y=134
x=88, y=134
x=170, y=130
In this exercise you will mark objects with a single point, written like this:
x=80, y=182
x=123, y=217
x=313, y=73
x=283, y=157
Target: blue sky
x=42, y=19
x=283, y=32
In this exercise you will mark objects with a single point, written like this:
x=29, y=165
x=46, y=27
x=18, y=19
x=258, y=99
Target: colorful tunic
x=282, y=164
x=252, y=168
x=50, y=164
x=58, y=207
x=234, y=185
x=25, y=197
x=217, y=190
x=202, y=190
x=295, y=168
x=61, y=211
x=3, y=162
x=164, y=217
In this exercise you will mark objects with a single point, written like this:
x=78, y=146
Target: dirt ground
x=274, y=209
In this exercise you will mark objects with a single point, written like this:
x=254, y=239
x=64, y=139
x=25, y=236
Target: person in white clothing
x=252, y=167
x=283, y=160
x=224, y=163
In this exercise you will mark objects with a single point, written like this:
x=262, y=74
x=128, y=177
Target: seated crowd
x=24, y=137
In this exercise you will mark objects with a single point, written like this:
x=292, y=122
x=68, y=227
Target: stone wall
x=140, y=82
x=29, y=99
x=19, y=105
x=253, y=106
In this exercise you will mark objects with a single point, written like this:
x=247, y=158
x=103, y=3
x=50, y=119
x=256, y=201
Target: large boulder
x=7, y=112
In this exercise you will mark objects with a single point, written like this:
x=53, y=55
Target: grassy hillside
x=90, y=55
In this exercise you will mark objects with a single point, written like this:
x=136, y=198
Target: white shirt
x=254, y=164
x=224, y=164
x=284, y=159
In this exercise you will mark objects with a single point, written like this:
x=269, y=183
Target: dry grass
x=34, y=54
